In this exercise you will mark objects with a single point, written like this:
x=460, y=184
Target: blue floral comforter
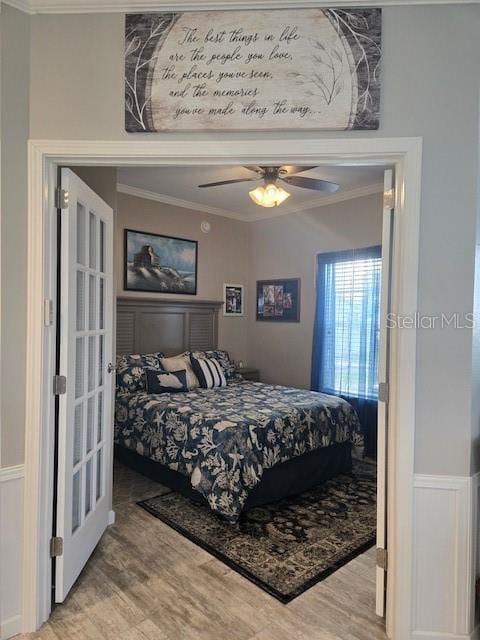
x=223, y=439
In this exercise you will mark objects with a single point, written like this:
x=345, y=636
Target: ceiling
x=179, y=186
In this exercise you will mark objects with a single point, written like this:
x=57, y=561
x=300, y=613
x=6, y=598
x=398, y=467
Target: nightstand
x=248, y=373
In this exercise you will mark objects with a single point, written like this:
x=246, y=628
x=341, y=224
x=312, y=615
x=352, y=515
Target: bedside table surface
x=248, y=373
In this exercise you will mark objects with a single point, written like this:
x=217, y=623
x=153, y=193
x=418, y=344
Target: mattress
x=224, y=439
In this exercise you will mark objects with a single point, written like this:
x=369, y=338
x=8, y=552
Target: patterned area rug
x=288, y=546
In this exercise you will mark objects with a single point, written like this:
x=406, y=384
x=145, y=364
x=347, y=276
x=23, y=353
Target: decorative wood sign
x=272, y=69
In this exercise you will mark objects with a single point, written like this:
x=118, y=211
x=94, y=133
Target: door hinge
x=59, y=385
x=389, y=199
x=56, y=547
x=383, y=391
x=382, y=558
x=61, y=198
x=47, y=312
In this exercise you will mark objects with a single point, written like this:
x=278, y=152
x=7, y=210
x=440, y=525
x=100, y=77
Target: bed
x=237, y=446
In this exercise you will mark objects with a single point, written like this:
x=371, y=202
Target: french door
x=85, y=372
x=383, y=379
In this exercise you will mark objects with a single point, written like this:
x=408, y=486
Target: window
x=346, y=331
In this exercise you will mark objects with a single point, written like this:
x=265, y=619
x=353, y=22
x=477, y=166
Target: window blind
x=346, y=332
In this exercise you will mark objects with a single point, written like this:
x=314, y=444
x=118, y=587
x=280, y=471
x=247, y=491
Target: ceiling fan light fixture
x=269, y=196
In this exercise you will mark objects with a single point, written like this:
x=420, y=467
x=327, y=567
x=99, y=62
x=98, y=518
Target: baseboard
x=111, y=517
x=424, y=635
x=445, y=557
x=475, y=635
x=11, y=530
x=10, y=627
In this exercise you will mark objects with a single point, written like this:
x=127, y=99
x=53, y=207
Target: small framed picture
x=233, y=300
x=278, y=300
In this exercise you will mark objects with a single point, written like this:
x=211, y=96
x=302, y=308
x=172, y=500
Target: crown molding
x=176, y=202
x=129, y=6
x=21, y=5
x=276, y=212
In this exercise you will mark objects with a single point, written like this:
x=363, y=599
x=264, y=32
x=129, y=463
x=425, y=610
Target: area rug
x=288, y=546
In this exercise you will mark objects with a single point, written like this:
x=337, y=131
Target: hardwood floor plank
x=145, y=581
x=146, y=630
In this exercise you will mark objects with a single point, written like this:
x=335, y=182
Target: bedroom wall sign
x=271, y=69
x=233, y=300
x=161, y=264
x=278, y=300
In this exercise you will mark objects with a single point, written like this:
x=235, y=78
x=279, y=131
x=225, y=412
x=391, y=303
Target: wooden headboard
x=145, y=325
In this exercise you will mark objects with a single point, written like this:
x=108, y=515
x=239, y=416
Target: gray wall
x=429, y=89
x=102, y=180
x=15, y=62
x=222, y=255
x=286, y=247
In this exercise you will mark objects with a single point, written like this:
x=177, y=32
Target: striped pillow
x=209, y=372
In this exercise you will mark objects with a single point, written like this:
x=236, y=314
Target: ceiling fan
x=270, y=194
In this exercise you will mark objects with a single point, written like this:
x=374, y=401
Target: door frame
x=405, y=154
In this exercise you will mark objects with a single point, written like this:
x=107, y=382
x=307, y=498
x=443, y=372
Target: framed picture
x=278, y=300
x=160, y=264
x=233, y=300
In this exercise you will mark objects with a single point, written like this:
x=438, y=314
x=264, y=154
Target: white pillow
x=178, y=363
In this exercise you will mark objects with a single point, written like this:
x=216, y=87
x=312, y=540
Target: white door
x=85, y=409
x=383, y=367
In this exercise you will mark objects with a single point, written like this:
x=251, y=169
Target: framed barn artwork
x=253, y=70
x=161, y=264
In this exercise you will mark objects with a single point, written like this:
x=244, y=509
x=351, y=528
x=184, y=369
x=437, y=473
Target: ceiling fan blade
x=311, y=183
x=257, y=169
x=291, y=169
x=218, y=184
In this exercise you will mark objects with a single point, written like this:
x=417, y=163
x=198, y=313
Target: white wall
x=286, y=247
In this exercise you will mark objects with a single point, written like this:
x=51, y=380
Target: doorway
x=403, y=165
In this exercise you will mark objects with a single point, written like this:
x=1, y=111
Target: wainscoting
x=445, y=562
x=11, y=526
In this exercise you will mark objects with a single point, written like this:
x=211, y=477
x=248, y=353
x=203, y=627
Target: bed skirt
x=287, y=479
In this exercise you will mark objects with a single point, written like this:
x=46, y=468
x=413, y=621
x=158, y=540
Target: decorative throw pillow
x=131, y=371
x=209, y=372
x=166, y=381
x=178, y=363
x=224, y=360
